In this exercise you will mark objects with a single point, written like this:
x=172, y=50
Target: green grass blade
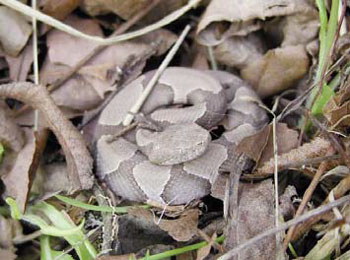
x=2, y=150
x=180, y=250
x=79, y=204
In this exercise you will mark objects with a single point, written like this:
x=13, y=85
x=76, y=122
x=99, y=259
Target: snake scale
x=178, y=160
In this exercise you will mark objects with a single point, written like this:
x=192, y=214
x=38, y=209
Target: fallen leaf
x=256, y=214
x=51, y=178
x=337, y=114
x=181, y=229
x=17, y=181
x=11, y=135
x=127, y=9
x=117, y=257
x=211, y=29
x=286, y=206
x=186, y=255
x=7, y=254
x=239, y=51
x=20, y=66
x=300, y=28
x=277, y=70
x=78, y=158
x=259, y=147
x=203, y=252
x=9, y=229
x=59, y=9
x=316, y=148
x=87, y=88
x=14, y=31
x=338, y=106
x=136, y=233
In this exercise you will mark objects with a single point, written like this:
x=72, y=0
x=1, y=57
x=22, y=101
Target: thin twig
x=26, y=10
x=136, y=107
x=286, y=225
x=35, y=62
x=213, y=64
x=307, y=196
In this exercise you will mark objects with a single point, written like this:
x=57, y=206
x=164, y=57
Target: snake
x=196, y=119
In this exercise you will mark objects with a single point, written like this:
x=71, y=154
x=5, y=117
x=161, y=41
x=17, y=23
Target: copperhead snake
x=179, y=163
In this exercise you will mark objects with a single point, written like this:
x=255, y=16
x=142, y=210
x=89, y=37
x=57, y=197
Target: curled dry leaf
x=78, y=159
x=211, y=31
x=337, y=113
x=316, y=148
x=20, y=66
x=14, y=31
x=18, y=181
x=259, y=147
x=277, y=70
x=255, y=215
x=87, y=88
x=181, y=229
x=337, y=109
x=11, y=135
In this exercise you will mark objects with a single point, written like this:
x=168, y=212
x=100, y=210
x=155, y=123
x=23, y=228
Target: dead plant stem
x=307, y=196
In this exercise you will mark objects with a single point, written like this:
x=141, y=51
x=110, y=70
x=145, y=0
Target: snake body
x=180, y=161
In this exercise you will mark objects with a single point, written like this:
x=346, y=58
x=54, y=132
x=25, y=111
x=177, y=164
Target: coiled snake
x=180, y=162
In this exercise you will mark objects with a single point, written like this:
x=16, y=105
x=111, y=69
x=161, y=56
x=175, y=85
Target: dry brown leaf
x=20, y=66
x=255, y=215
x=259, y=147
x=59, y=9
x=334, y=112
x=300, y=28
x=74, y=48
x=239, y=51
x=87, y=88
x=51, y=178
x=117, y=257
x=212, y=31
x=17, y=181
x=14, y=31
x=9, y=229
x=316, y=148
x=286, y=206
x=7, y=254
x=127, y=9
x=11, y=135
x=78, y=158
x=277, y=70
x=181, y=229
x=186, y=256
x=338, y=106
x=203, y=252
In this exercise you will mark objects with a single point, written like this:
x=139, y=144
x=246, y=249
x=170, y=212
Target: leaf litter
x=266, y=43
